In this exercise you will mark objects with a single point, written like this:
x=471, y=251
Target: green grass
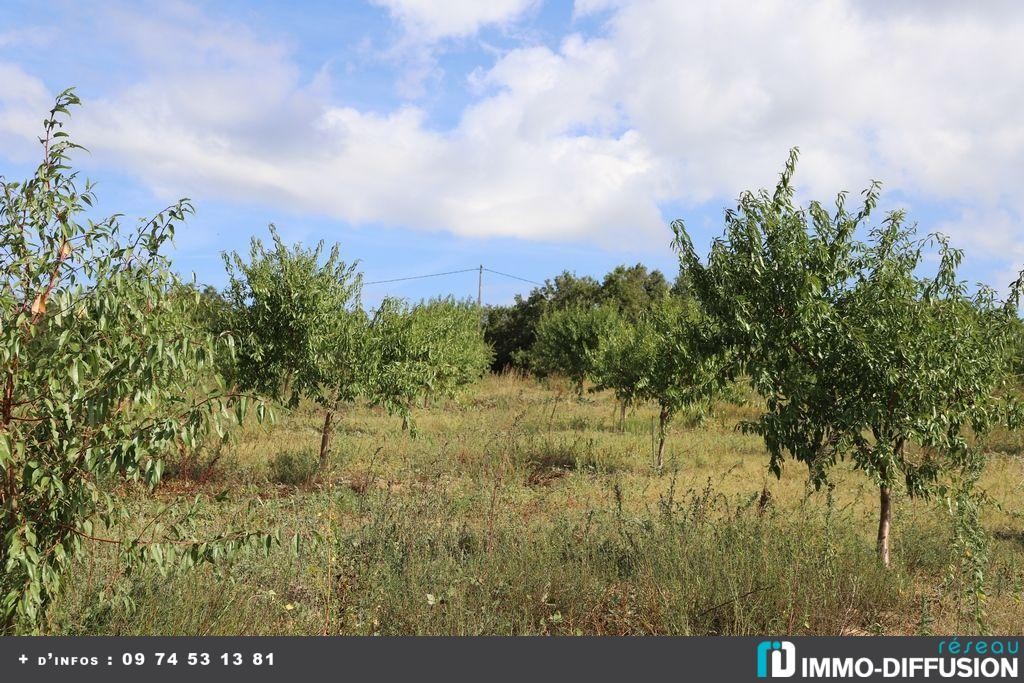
x=521, y=509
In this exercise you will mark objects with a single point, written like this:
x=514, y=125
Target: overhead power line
x=479, y=285
x=515, y=277
x=420, y=277
x=454, y=272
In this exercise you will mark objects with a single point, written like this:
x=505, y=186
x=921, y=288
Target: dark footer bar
x=454, y=660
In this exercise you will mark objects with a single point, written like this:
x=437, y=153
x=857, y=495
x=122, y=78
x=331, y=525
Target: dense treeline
x=512, y=330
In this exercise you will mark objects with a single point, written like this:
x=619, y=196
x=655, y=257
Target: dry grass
x=522, y=509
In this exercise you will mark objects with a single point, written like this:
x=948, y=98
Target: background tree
x=1018, y=352
x=633, y=290
x=512, y=330
x=855, y=354
x=680, y=363
x=508, y=332
x=620, y=364
x=397, y=366
x=213, y=313
x=450, y=343
x=568, y=341
x=433, y=348
x=103, y=371
x=299, y=330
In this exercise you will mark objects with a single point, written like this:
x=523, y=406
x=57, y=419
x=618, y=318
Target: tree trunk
x=622, y=418
x=884, y=521
x=325, y=438
x=551, y=417
x=662, y=421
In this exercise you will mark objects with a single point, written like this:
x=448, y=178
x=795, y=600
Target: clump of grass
x=200, y=465
x=546, y=459
x=360, y=481
x=579, y=423
x=692, y=418
x=1005, y=441
x=553, y=455
x=294, y=467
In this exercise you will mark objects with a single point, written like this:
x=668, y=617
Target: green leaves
x=103, y=370
x=294, y=315
x=668, y=357
x=856, y=354
x=432, y=349
x=301, y=333
x=568, y=341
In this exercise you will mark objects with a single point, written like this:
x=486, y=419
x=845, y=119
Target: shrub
x=294, y=467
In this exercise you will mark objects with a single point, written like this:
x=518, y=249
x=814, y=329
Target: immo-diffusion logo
x=776, y=659
x=973, y=659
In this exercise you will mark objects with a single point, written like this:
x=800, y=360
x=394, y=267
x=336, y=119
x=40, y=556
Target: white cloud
x=586, y=8
x=994, y=236
x=429, y=28
x=24, y=101
x=673, y=101
x=994, y=232
x=430, y=21
x=722, y=90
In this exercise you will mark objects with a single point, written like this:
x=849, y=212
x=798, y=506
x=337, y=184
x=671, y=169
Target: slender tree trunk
x=622, y=417
x=9, y=493
x=325, y=438
x=8, y=487
x=884, y=522
x=551, y=417
x=885, y=502
x=662, y=421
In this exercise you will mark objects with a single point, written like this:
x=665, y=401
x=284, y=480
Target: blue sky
x=524, y=135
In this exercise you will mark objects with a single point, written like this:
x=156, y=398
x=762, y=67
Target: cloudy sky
x=527, y=135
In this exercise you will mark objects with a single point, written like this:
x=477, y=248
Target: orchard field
x=814, y=429
x=520, y=509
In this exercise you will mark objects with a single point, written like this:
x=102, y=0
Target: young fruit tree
x=620, y=365
x=299, y=329
x=856, y=354
x=396, y=366
x=668, y=357
x=103, y=372
x=568, y=340
x=433, y=348
x=449, y=342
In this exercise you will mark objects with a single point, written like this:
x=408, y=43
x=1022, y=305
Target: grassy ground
x=521, y=509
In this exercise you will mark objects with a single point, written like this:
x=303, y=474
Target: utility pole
x=480, y=288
